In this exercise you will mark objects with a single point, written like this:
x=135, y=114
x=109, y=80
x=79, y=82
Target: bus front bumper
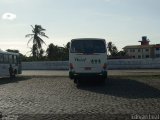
x=74, y=75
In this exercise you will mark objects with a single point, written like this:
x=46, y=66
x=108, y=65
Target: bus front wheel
x=103, y=80
x=75, y=80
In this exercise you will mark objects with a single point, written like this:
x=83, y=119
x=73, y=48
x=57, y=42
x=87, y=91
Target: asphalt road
x=50, y=98
x=110, y=72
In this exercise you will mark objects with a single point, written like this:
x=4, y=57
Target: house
x=145, y=50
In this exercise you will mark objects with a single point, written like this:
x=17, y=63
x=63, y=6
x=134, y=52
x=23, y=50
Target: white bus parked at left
x=8, y=61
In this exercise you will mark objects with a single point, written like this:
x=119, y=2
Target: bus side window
x=6, y=58
x=13, y=62
x=10, y=59
x=19, y=60
x=1, y=58
x=15, y=59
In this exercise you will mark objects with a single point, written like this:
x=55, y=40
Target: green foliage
x=57, y=53
x=114, y=53
x=53, y=53
x=112, y=49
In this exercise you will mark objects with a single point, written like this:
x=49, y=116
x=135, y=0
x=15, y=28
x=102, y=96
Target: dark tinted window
x=1, y=58
x=6, y=58
x=88, y=46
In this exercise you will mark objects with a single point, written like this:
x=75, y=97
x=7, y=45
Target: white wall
x=45, y=65
x=134, y=63
x=112, y=64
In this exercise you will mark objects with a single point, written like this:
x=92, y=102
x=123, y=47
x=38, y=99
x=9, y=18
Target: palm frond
x=41, y=28
x=39, y=42
x=29, y=40
x=29, y=35
x=32, y=27
x=42, y=42
x=43, y=34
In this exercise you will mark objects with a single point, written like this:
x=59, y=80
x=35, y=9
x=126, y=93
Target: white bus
x=88, y=58
x=7, y=60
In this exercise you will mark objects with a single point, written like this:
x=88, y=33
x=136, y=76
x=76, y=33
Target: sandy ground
x=110, y=72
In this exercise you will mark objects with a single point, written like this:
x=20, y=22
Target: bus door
x=2, y=66
x=2, y=73
x=19, y=65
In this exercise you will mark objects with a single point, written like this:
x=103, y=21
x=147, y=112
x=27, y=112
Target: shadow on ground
x=7, y=80
x=126, y=88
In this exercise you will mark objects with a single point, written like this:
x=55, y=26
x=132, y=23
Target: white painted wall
x=134, y=63
x=45, y=65
x=112, y=64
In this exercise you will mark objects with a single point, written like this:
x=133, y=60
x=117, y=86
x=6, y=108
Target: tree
x=110, y=45
x=56, y=53
x=122, y=53
x=66, y=51
x=37, y=33
x=49, y=51
x=112, y=49
x=52, y=52
x=67, y=46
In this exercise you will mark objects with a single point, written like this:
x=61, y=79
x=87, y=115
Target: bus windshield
x=88, y=46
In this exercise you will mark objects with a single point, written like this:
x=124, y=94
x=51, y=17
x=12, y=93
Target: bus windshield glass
x=88, y=46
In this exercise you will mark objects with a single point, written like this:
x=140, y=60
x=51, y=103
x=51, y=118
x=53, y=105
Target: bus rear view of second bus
x=88, y=59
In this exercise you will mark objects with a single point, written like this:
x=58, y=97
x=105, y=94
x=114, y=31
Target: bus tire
x=78, y=83
x=75, y=80
x=103, y=80
x=107, y=80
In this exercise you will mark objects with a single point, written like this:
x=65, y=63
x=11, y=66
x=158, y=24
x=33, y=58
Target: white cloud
x=9, y=16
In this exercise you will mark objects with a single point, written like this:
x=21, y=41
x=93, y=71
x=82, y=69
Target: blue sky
x=123, y=22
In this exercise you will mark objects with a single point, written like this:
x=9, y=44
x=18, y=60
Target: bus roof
x=87, y=39
x=11, y=53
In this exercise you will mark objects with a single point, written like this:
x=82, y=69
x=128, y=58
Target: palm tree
x=112, y=49
x=110, y=45
x=37, y=31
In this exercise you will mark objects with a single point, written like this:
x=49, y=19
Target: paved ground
x=58, y=98
x=110, y=72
